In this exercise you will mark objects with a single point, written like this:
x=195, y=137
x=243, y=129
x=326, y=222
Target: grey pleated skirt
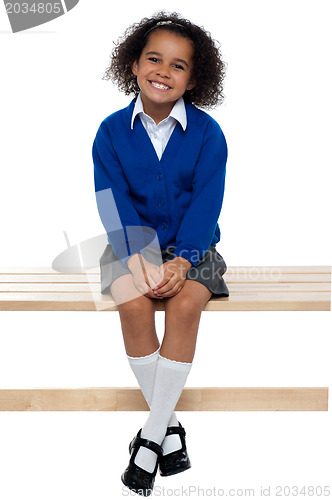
x=209, y=270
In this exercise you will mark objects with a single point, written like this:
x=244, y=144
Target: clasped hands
x=158, y=282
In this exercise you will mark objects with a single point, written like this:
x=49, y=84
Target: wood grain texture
x=231, y=269
x=255, y=288
x=192, y=399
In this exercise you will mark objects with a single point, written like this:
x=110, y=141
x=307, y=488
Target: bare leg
x=182, y=317
x=136, y=316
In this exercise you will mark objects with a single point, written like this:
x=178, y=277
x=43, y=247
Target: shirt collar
x=178, y=112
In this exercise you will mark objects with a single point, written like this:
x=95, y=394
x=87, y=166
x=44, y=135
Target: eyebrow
x=177, y=59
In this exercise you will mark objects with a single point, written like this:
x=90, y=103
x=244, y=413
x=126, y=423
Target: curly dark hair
x=208, y=66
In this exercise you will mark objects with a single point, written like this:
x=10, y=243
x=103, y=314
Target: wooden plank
x=279, y=287
x=255, y=399
x=282, y=269
x=44, y=270
x=249, y=277
x=49, y=278
x=273, y=301
x=251, y=288
x=192, y=399
x=95, y=287
x=54, y=302
x=50, y=287
x=230, y=270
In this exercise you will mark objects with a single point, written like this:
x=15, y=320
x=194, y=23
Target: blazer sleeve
x=199, y=223
x=118, y=215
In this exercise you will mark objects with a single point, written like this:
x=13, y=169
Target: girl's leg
x=182, y=316
x=136, y=316
x=139, y=334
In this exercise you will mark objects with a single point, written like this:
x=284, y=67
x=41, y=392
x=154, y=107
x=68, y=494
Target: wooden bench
x=279, y=288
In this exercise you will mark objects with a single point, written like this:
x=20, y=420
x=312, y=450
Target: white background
x=277, y=211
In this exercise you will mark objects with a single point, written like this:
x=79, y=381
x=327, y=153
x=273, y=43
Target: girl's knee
x=131, y=307
x=185, y=307
x=136, y=309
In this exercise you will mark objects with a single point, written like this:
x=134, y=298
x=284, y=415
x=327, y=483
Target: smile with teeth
x=159, y=85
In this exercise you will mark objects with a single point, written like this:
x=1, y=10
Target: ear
x=134, y=68
x=190, y=86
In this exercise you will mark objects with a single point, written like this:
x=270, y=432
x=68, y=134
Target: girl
x=160, y=170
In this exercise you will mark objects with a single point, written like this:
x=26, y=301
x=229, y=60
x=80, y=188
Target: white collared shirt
x=161, y=133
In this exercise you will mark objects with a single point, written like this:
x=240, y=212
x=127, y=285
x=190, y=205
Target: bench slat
x=254, y=301
x=250, y=278
x=95, y=287
x=192, y=399
x=231, y=269
x=261, y=288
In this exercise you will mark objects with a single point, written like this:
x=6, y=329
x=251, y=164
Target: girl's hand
x=146, y=275
x=174, y=272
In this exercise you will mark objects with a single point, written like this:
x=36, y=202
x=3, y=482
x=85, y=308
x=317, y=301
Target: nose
x=163, y=71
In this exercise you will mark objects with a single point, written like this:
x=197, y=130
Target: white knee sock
x=144, y=369
x=170, y=378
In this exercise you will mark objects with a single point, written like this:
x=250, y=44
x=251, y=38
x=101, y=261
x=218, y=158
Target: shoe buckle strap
x=151, y=445
x=175, y=430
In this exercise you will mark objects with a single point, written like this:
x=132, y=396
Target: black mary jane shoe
x=136, y=478
x=176, y=461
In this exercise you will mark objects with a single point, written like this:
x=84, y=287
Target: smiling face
x=164, y=72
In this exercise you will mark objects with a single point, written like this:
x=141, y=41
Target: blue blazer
x=178, y=198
